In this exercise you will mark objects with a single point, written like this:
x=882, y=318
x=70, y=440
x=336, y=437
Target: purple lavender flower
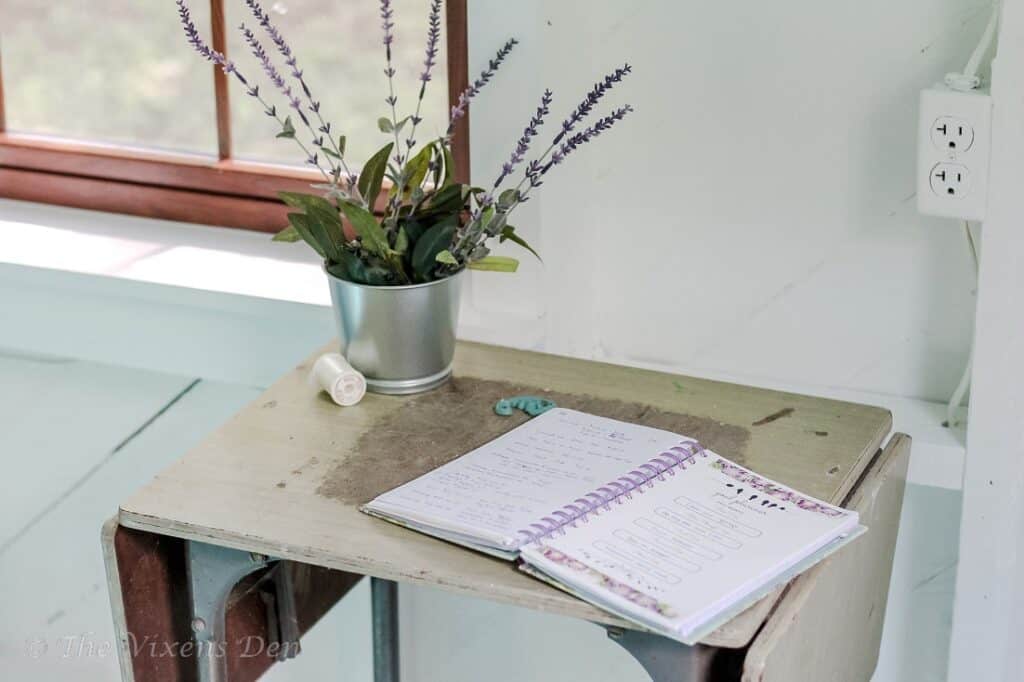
x=282, y=46
x=433, y=36
x=264, y=19
x=272, y=73
x=592, y=98
x=459, y=110
x=289, y=57
x=202, y=48
x=574, y=141
x=386, y=14
x=252, y=90
x=387, y=23
x=533, y=171
x=529, y=133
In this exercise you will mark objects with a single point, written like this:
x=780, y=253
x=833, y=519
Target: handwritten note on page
x=524, y=475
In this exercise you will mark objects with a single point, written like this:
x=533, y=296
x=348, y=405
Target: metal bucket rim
x=396, y=287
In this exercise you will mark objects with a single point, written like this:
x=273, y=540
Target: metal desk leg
x=212, y=572
x=665, y=660
x=384, y=600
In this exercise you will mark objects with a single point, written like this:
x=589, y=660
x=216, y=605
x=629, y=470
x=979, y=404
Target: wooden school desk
x=256, y=532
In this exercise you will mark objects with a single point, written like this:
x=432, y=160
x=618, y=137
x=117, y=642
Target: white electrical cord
x=965, y=378
x=969, y=79
x=965, y=82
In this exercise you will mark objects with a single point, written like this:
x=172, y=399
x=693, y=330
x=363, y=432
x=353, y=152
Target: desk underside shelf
x=286, y=475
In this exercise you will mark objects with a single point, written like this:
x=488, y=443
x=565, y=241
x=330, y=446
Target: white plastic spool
x=332, y=373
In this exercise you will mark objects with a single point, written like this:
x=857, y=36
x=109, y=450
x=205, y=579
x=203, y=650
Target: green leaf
x=416, y=170
x=507, y=199
x=341, y=145
x=446, y=257
x=414, y=229
x=438, y=170
x=354, y=269
x=330, y=152
x=373, y=173
x=495, y=223
x=450, y=198
x=309, y=203
x=495, y=264
x=449, y=166
x=340, y=270
x=434, y=241
x=287, y=129
x=418, y=167
x=508, y=233
x=378, y=276
x=324, y=220
x=385, y=125
x=332, y=190
x=288, y=234
x=486, y=216
x=401, y=124
x=401, y=241
x=303, y=225
x=373, y=237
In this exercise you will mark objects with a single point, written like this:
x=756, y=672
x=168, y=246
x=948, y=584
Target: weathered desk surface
x=286, y=475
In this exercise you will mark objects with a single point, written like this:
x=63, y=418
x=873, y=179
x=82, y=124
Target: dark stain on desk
x=774, y=416
x=434, y=428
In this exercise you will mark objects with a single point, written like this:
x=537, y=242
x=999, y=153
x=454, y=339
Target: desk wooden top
x=285, y=476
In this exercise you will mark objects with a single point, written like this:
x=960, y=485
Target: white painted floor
x=77, y=437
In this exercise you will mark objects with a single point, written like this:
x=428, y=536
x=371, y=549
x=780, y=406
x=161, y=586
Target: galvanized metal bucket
x=401, y=338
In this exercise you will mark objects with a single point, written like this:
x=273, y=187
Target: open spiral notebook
x=644, y=523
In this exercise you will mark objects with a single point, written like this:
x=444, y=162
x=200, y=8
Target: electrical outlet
x=953, y=149
x=951, y=180
x=952, y=133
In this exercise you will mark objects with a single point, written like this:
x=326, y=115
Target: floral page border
x=768, y=488
x=621, y=589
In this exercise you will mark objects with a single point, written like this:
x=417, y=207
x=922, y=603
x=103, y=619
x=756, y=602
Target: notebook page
x=502, y=487
x=691, y=545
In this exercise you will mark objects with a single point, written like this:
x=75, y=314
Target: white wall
x=755, y=217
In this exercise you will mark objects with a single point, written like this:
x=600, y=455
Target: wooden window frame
x=184, y=187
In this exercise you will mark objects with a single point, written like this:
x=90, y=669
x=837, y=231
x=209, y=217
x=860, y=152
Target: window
x=103, y=104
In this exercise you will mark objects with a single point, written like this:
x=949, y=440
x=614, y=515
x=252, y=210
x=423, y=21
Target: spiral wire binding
x=624, y=486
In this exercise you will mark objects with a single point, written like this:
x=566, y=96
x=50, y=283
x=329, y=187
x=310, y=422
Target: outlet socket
x=950, y=133
x=951, y=180
x=953, y=150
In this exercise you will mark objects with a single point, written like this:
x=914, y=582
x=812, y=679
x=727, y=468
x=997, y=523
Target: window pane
x=339, y=47
x=108, y=71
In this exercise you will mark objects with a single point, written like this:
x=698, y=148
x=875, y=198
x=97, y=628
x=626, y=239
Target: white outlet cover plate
x=953, y=152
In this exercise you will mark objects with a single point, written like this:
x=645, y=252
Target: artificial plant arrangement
x=432, y=226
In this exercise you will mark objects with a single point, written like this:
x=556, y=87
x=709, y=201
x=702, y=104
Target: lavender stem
x=459, y=110
x=282, y=46
x=386, y=14
x=278, y=81
x=192, y=33
x=469, y=239
x=433, y=36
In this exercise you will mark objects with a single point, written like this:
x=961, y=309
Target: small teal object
x=530, y=404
